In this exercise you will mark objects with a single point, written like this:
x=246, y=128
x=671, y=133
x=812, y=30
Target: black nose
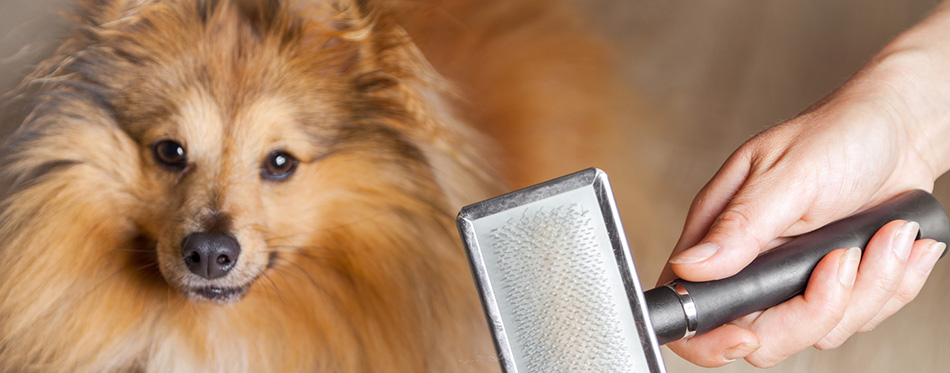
x=210, y=255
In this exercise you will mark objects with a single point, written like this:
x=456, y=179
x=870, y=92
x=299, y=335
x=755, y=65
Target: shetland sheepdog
x=271, y=186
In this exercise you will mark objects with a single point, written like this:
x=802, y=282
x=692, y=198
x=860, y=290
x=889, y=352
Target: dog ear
x=332, y=36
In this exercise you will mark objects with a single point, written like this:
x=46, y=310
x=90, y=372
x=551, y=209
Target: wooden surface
x=715, y=73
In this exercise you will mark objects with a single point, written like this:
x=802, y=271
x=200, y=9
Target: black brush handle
x=782, y=273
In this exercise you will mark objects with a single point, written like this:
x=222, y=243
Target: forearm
x=916, y=66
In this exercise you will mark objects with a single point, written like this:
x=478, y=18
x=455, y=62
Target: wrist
x=911, y=76
x=914, y=96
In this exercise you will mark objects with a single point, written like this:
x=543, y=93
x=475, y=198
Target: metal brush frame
x=608, y=208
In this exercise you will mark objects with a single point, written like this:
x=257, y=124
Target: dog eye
x=170, y=154
x=278, y=166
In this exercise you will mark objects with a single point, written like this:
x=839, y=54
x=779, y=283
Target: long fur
x=354, y=261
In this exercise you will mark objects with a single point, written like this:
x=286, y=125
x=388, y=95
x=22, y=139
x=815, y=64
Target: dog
x=213, y=185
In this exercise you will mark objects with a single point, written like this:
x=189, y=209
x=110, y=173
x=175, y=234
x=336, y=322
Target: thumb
x=758, y=213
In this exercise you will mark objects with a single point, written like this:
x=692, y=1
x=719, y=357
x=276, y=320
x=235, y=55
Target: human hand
x=881, y=134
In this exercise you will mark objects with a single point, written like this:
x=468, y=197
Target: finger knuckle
x=886, y=284
x=905, y=295
x=763, y=360
x=829, y=343
x=737, y=219
x=828, y=313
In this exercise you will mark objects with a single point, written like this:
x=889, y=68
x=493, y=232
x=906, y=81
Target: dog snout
x=210, y=256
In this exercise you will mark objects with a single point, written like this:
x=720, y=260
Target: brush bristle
x=563, y=313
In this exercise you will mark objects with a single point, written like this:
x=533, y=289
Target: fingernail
x=696, y=253
x=904, y=239
x=848, y=266
x=739, y=351
x=929, y=257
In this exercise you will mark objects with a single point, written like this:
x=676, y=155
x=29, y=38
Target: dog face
x=282, y=157
x=226, y=182
x=254, y=138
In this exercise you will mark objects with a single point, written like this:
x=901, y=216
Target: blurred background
x=719, y=72
x=712, y=75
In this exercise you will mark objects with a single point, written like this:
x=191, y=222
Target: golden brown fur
x=353, y=262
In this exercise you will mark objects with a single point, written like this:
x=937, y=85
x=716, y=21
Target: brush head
x=557, y=281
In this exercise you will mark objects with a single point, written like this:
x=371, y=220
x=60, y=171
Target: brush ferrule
x=689, y=308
